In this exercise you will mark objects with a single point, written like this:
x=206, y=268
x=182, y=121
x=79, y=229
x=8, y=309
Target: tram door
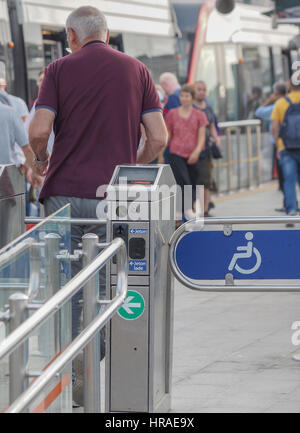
x=54, y=44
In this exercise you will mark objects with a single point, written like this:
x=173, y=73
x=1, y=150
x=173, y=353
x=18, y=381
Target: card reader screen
x=137, y=176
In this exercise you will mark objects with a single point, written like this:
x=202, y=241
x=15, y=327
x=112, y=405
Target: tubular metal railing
x=198, y=225
x=236, y=155
x=92, y=323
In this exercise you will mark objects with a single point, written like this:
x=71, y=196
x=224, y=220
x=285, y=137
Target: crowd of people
x=191, y=125
x=282, y=111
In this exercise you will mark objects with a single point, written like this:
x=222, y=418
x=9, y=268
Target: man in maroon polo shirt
x=96, y=99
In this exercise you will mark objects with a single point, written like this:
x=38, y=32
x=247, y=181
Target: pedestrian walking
x=171, y=87
x=211, y=136
x=13, y=132
x=17, y=103
x=33, y=207
x=186, y=126
x=96, y=98
x=264, y=112
x=285, y=128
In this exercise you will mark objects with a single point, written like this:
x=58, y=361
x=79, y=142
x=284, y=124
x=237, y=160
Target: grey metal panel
x=11, y=181
x=12, y=214
x=12, y=204
x=133, y=280
x=129, y=360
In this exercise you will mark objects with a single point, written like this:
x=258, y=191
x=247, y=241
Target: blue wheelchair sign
x=255, y=254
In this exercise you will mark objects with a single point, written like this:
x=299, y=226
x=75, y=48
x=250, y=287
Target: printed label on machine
x=137, y=265
x=138, y=231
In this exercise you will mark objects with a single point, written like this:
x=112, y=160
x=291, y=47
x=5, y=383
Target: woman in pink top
x=186, y=126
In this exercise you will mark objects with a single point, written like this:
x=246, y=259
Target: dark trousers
x=185, y=174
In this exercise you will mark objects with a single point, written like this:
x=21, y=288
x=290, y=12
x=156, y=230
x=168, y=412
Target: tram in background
x=238, y=55
x=143, y=29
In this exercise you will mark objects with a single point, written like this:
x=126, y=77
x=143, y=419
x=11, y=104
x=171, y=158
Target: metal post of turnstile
x=139, y=339
x=91, y=363
x=18, y=378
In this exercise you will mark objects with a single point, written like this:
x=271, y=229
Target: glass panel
x=157, y=53
x=257, y=75
x=278, y=66
x=2, y=70
x=207, y=72
x=232, y=100
x=29, y=271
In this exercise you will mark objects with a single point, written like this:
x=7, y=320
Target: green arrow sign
x=133, y=306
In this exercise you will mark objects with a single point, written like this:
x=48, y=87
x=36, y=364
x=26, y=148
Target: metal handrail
x=67, y=292
x=239, y=123
x=72, y=221
x=197, y=225
x=117, y=246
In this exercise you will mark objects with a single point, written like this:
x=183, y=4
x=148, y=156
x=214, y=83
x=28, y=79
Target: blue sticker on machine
x=138, y=231
x=138, y=265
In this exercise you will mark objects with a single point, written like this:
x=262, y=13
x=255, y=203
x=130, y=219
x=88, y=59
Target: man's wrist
x=40, y=160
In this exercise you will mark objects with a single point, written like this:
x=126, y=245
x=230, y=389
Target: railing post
x=229, y=159
x=258, y=138
x=238, y=143
x=52, y=243
x=249, y=156
x=92, y=350
x=18, y=379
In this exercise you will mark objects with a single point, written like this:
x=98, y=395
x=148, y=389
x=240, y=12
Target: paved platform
x=233, y=352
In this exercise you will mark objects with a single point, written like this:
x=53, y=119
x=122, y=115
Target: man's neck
x=200, y=104
x=89, y=40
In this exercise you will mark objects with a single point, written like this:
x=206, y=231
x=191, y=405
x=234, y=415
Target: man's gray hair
x=280, y=88
x=87, y=22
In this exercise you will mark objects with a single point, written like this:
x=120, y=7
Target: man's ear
x=72, y=35
x=107, y=38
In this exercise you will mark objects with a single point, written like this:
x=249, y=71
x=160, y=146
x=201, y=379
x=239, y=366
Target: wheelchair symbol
x=248, y=252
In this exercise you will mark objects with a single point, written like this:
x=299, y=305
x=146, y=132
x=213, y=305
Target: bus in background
x=239, y=56
x=142, y=29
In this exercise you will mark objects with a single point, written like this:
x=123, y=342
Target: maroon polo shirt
x=98, y=95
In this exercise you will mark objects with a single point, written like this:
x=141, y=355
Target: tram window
x=266, y=69
x=52, y=51
x=278, y=64
x=158, y=54
x=231, y=69
x=257, y=78
x=207, y=72
x=2, y=70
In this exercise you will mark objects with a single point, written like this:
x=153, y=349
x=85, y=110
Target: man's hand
x=218, y=141
x=34, y=179
x=39, y=168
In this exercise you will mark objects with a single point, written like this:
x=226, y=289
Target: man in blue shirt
x=264, y=112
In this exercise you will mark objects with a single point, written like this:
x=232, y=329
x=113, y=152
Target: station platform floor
x=233, y=351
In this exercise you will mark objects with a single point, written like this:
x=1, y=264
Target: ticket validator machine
x=12, y=204
x=141, y=208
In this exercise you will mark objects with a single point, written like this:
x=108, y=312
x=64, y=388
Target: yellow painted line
x=270, y=186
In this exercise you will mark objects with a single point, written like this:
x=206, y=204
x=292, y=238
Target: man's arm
x=157, y=137
x=39, y=132
x=213, y=133
x=275, y=133
x=264, y=112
